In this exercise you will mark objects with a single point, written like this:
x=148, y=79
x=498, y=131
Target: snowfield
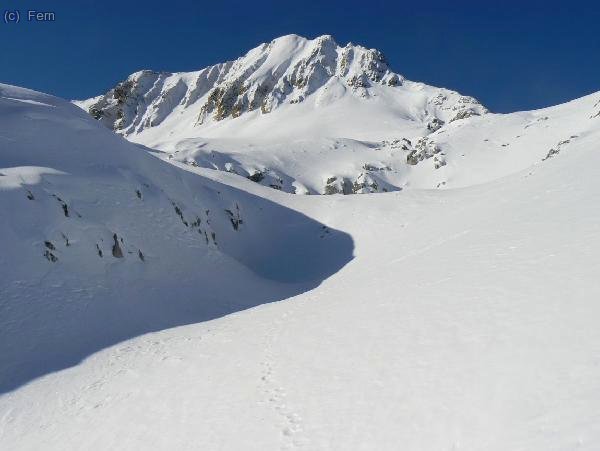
x=150, y=303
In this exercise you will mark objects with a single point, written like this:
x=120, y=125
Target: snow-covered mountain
x=311, y=117
x=290, y=70
x=275, y=114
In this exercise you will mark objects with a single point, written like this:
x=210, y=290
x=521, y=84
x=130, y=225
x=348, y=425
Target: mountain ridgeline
x=289, y=70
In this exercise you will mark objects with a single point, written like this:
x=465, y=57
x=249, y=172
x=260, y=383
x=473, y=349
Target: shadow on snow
x=52, y=325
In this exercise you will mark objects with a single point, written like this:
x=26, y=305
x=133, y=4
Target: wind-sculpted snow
x=102, y=241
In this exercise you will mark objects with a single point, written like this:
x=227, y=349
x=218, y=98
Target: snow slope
x=102, y=241
x=461, y=153
x=466, y=320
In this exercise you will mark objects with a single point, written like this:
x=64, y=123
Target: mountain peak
x=296, y=38
x=288, y=71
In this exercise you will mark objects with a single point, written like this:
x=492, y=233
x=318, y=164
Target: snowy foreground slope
x=467, y=319
x=102, y=241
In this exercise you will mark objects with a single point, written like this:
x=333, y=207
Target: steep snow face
x=101, y=240
x=289, y=71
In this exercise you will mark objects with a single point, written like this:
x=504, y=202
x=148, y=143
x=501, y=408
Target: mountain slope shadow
x=52, y=319
x=100, y=241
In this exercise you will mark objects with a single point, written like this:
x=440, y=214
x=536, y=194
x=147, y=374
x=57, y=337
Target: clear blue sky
x=510, y=55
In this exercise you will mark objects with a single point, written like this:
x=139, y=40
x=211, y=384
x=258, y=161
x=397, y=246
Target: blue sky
x=510, y=55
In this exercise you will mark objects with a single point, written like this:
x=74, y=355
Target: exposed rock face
x=463, y=114
x=337, y=185
x=257, y=176
x=117, y=252
x=365, y=182
x=146, y=98
x=463, y=107
x=435, y=124
x=287, y=70
x=559, y=147
x=397, y=144
x=265, y=177
x=424, y=149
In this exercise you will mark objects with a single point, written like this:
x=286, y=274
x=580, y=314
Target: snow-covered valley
x=149, y=301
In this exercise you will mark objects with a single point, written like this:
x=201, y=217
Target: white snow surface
x=421, y=319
